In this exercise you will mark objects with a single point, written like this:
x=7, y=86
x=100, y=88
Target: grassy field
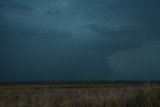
x=79, y=95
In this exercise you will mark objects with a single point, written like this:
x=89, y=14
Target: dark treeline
x=79, y=82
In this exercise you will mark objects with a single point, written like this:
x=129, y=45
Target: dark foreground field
x=89, y=95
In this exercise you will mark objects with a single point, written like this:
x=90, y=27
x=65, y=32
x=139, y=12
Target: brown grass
x=76, y=96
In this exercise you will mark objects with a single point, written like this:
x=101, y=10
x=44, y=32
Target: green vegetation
x=89, y=95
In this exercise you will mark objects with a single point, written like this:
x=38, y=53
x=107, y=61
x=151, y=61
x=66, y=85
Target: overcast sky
x=45, y=40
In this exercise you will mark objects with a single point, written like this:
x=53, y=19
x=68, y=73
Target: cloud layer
x=74, y=39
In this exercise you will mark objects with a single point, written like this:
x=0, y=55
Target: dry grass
x=52, y=96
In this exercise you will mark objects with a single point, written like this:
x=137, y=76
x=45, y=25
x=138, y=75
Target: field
x=80, y=95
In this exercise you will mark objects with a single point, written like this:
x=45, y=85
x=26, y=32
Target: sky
x=48, y=40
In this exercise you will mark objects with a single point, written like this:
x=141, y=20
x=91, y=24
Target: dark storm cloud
x=105, y=31
x=137, y=22
x=55, y=34
x=8, y=5
x=23, y=8
x=1, y=10
x=72, y=39
x=87, y=66
x=125, y=33
x=30, y=33
x=53, y=12
x=134, y=22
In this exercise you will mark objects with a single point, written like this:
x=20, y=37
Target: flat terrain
x=80, y=95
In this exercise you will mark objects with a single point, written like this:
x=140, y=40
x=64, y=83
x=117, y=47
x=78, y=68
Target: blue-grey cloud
x=125, y=30
x=53, y=12
x=136, y=22
x=55, y=34
x=70, y=39
x=8, y=5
